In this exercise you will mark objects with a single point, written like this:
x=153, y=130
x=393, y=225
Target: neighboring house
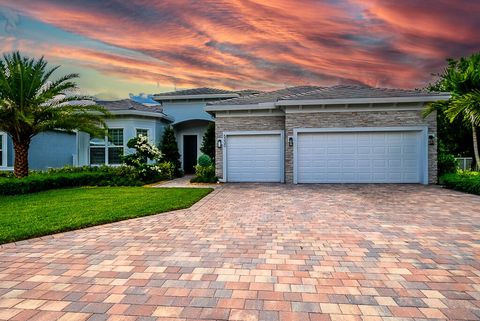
x=183, y=109
x=190, y=121
x=339, y=134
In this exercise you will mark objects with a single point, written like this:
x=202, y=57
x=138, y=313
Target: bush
x=150, y=173
x=463, y=181
x=208, y=141
x=204, y=161
x=204, y=174
x=70, y=177
x=169, y=150
x=447, y=163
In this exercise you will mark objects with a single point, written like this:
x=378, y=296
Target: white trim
x=253, y=133
x=259, y=106
x=159, y=97
x=341, y=101
x=423, y=143
x=142, y=113
x=4, y=163
x=106, y=147
x=348, y=109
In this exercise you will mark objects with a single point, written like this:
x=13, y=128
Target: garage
x=254, y=157
x=361, y=156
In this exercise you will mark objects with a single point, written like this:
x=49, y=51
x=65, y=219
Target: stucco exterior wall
x=360, y=119
x=52, y=149
x=225, y=124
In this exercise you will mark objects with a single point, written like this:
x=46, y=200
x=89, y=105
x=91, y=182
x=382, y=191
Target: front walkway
x=261, y=252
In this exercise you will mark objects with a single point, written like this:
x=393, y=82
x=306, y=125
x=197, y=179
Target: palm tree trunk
x=475, y=147
x=20, y=168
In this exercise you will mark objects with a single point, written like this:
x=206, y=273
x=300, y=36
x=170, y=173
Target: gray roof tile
x=265, y=97
x=355, y=91
x=127, y=104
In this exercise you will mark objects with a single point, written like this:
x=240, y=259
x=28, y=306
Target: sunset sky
x=121, y=47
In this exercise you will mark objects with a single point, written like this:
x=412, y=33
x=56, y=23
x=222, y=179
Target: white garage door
x=359, y=157
x=254, y=158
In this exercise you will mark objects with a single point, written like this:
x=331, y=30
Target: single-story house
x=183, y=109
x=339, y=134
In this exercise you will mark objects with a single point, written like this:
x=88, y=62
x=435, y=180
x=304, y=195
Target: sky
x=149, y=46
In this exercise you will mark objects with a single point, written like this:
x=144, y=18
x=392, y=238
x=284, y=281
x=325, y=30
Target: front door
x=189, y=153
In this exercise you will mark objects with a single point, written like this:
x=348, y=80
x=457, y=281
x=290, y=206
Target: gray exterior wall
x=225, y=124
x=52, y=149
x=360, y=119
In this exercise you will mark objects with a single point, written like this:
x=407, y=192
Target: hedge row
x=468, y=182
x=70, y=177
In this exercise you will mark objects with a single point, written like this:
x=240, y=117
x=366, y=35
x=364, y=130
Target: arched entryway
x=189, y=136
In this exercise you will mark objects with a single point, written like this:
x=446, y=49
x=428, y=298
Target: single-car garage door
x=360, y=157
x=254, y=158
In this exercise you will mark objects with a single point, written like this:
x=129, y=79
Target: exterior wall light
x=290, y=141
x=220, y=143
x=431, y=139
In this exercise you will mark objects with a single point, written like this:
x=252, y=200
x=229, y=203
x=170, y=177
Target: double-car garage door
x=377, y=156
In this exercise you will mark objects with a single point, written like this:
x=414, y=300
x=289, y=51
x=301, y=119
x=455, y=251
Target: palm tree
x=462, y=79
x=30, y=103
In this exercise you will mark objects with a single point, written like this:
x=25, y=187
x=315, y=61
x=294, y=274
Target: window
x=108, y=150
x=2, y=149
x=143, y=132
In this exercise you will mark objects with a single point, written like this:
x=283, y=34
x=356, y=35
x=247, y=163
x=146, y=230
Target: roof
x=355, y=91
x=196, y=93
x=265, y=97
x=128, y=106
x=329, y=95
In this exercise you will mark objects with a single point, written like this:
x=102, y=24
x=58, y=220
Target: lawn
x=38, y=214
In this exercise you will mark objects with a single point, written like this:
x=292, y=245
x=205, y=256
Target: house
x=190, y=121
x=339, y=134
x=184, y=110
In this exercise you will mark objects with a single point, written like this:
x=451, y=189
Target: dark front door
x=189, y=153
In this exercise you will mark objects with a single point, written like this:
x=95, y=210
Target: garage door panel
x=359, y=157
x=254, y=158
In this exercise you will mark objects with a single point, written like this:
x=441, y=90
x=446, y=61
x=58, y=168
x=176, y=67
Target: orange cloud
x=263, y=44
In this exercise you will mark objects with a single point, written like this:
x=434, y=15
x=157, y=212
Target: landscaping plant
x=208, y=142
x=169, y=149
x=31, y=103
x=462, y=79
x=145, y=153
x=204, y=171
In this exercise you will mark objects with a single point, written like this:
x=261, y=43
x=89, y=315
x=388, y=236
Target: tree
x=462, y=79
x=30, y=103
x=169, y=149
x=208, y=142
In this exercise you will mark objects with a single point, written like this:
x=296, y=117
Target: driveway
x=261, y=252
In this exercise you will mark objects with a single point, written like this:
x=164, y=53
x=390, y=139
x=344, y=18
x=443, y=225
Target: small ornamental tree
x=145, y=151
x=208, y=143
x=169, y=149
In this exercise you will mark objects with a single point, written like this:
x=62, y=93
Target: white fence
x=465, y=163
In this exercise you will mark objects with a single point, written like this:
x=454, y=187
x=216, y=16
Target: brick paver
x=261, y=252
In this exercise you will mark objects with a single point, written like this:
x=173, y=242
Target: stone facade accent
x=248, y=123
x=326, y=120
x=360, y=119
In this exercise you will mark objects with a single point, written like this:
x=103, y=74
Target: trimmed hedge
x=37, y=182
x=463, y=181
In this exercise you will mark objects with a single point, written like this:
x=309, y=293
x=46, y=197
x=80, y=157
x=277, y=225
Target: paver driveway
x=264, y=252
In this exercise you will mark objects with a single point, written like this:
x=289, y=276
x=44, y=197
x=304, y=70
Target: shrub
x=208, y=141
x=204, y=160
x=204, y=174
x=70, y=177
x=169, y=149
x=447, y=163
x=464, y=181
x=156, y=172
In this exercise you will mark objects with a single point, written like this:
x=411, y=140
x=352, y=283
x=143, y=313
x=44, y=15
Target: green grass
x=38, y=214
